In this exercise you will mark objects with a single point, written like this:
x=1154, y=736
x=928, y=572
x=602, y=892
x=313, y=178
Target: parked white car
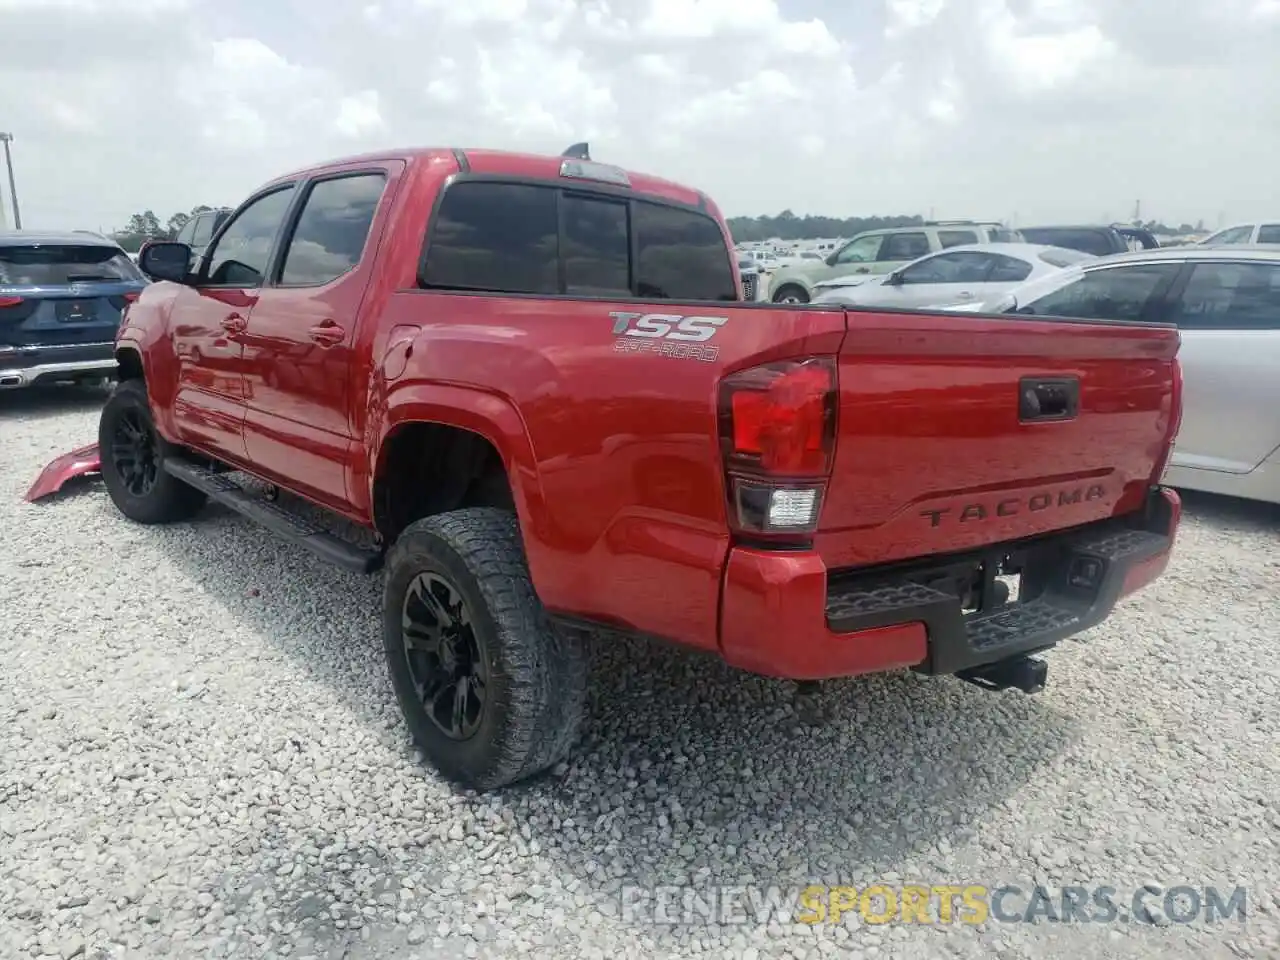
x=971, y=273
x=1226, y=303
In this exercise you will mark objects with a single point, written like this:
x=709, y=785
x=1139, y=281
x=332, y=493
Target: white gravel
x=200, y=756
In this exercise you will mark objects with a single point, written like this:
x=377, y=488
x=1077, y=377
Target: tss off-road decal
x=666, y=334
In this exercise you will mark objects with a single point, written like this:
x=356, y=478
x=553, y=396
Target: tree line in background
x=788, y=226
x=147, y=226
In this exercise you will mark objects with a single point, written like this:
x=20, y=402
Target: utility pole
x=6, y=139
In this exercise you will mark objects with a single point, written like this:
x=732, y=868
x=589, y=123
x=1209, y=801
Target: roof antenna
x=578, y=151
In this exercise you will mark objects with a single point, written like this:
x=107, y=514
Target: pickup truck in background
x=1101, y=241
x=534, y=383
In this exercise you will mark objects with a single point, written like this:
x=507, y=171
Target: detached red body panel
x=77, y=463
x=808, y=491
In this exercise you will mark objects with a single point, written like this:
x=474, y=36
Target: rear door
x=298, y=345
x=208, y=321
x=59, y=297
x=1229, y=316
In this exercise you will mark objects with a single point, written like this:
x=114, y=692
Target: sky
x=1026, y=110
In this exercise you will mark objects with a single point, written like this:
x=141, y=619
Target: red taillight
x=781, y=417
x=6, y=301
x=777, y=434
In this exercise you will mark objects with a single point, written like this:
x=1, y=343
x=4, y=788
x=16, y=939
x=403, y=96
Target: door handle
x=965, y=295
x=327, y=333
x=233, y=323
x=862, y=270
x=1051, y=399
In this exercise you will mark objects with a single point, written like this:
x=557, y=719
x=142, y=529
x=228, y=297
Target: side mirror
x=894, y=279
x=831, y=259
x=166, y=260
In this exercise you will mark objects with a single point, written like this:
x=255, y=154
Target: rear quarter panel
x=610, y=443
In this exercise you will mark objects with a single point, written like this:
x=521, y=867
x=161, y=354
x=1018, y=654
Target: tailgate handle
x=1054, y=399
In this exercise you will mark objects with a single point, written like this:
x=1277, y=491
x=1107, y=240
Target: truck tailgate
x=938, y=450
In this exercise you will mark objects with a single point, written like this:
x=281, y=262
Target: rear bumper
x=784, y=616
x=25, y=366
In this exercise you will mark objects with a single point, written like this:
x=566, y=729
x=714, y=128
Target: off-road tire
x=537, y=676
x=169, y=500
x=802, y=295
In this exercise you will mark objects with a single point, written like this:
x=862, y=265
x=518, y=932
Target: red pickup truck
x=534, y=380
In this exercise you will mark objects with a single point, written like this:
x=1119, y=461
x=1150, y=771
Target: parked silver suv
x=881, y=251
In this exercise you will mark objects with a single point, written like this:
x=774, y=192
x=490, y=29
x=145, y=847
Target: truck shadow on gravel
x=37, y=403
x=690, y=772
x=1229, y=514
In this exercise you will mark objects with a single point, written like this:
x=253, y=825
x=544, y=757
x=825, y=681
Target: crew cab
x=534, y=381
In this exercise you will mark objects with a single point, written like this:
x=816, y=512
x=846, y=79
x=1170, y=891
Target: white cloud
x=1062, y=109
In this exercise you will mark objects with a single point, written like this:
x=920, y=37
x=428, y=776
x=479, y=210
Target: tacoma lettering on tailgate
x=1012, y=506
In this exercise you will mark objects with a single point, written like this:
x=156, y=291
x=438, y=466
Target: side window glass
x=187, y=231
x=331, y=232
x=595, y=246
x=243, y=251
x=1269, y=233
x=965, y=267
x=202, y=233
x=682, y=255
x=1008, y=270
x=495, y=237
x=904, y=246
x=1118, y=293
x=862, y=250
x=956, y=238
x=1232, y=235
x=1231, y=296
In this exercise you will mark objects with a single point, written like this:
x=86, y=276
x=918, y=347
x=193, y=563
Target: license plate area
x=74, y=311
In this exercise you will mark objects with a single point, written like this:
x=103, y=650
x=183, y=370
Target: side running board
x=289, y=526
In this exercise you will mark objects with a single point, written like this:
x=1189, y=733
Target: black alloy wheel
x=444, y=656
x=135, y=453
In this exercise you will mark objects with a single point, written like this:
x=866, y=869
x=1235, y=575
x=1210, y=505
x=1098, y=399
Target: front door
x=301, y=335
x=208, y=322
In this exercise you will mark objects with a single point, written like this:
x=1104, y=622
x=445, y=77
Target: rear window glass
x=682, y=255
x=497, y=237
x=60, y=264
x=519, y=238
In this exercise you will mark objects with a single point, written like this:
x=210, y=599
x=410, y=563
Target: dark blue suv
x=62, y=297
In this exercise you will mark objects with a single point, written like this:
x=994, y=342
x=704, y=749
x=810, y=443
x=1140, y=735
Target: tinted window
x=241, y=254
x=956, y=238
x=904, y=246
x=968, y=266
x=1240, y=296
x=596, y=247
x=682, y=255
x=60, y=264
x=1118, y=293
x=188, y=230
x=1097, y=242
x=202, y=229
x=1269, y=233
x=331, y=232
x=495, y=236
x=1008, y=269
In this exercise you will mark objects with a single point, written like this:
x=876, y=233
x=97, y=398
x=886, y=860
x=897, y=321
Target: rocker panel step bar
x=283, y=523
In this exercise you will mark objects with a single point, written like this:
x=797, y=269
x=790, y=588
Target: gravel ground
x=201, y=757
